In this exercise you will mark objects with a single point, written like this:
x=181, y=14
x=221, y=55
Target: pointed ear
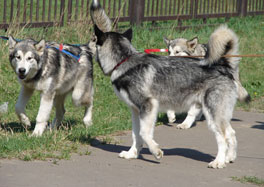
x=128, y=34
x=11, y=42
x=100, y=35
x=40, y=46
x=192, y=43
x=166, y=40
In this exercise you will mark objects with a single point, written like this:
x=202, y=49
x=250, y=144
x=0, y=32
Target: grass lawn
x=109, y=114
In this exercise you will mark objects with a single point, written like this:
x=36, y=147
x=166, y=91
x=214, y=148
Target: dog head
x=25, y=57
x=181, y=46
x=112, y=48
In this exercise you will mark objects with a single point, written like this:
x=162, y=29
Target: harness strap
x=121, y=63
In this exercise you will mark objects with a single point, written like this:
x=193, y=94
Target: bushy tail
x=223, y=41
x=99, y=17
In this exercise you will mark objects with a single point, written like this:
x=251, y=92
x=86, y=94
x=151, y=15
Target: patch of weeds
x=250, y=179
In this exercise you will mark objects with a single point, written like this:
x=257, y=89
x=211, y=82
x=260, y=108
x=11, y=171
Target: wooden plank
x=31, y=11
x=18, y=11
x=76, y=10
x=55, y=9
x=4, y=12
x=49, y=10
x=37, y=10
x=161, y=7
x=25, y=11
x=114, y=9
x=43, y=10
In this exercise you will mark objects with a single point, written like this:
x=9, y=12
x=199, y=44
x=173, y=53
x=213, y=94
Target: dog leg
x=23, y=98
x=137, y=140
x=87, y=120
x=171, y=116
x=219, y=161
x=194, y=111
x=45, y=108
x=232, y=144
x=215, y=126
x=147, y=121
x=60, y=110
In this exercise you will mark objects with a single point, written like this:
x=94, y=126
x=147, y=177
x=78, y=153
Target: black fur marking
x=101, y=36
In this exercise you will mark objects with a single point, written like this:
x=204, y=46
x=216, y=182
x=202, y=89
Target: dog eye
x=18, y=57
x=177, y=52
x=29, y=58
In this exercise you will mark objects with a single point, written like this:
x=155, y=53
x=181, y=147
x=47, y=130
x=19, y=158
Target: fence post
x=69, y=16
x=62, y=12
x=242, y=7
x=137, y=8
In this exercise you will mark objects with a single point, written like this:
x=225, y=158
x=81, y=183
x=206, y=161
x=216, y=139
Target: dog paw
x=25, y=121
x=87, y=123
x=216, y=164
x=39, y=129
x=171, y=116
x=159, y=154
x=183, y=126
x=128, y=154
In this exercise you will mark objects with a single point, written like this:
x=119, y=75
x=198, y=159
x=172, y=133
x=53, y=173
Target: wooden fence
x=45, y=13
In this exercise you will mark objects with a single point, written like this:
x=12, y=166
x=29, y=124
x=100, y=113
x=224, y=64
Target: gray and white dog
x=149, y=83
x=184, y=47
x=192, y=47
x=41, y=66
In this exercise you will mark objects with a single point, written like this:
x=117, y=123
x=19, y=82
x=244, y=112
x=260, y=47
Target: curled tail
x=223, y=41
x=99, y=17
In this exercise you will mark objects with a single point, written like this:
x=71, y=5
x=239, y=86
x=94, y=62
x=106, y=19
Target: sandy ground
x=187, y=153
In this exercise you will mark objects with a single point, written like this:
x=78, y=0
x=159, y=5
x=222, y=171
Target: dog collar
x=121, y=63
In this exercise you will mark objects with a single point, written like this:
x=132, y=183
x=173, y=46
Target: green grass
x=109, y=114
x=249, y=179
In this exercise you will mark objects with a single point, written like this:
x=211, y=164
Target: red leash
x=155, y=50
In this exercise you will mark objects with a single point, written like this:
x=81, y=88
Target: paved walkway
x=187, y=153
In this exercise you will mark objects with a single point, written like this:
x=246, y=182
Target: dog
x=184, y=47
x=150, y=83
x=192, y=47
x=43, y=67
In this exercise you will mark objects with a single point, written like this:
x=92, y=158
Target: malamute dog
x=192, y=47
x=149, y=83
x=46, y=69
x=184, y=47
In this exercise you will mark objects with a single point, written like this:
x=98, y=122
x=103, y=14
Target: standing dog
x=55, y=74
x=184, y=47
x=149, y=83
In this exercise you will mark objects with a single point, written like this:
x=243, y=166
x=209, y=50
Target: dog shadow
x=183, y=152
x=260, y=125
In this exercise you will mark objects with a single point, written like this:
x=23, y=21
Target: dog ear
x=192, y=43
x=100, y=35
x=128, y=34
x=166, y=40
x=40, y=46
x=11, y=42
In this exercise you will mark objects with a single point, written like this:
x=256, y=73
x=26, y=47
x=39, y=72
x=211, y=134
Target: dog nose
x=22, y=70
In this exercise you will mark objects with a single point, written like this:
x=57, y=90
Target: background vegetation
x=109, y=114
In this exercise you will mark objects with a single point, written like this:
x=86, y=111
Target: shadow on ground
x=184, y=152
x=260, y=125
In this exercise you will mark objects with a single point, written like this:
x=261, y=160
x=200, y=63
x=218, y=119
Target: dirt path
x=187, y=153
